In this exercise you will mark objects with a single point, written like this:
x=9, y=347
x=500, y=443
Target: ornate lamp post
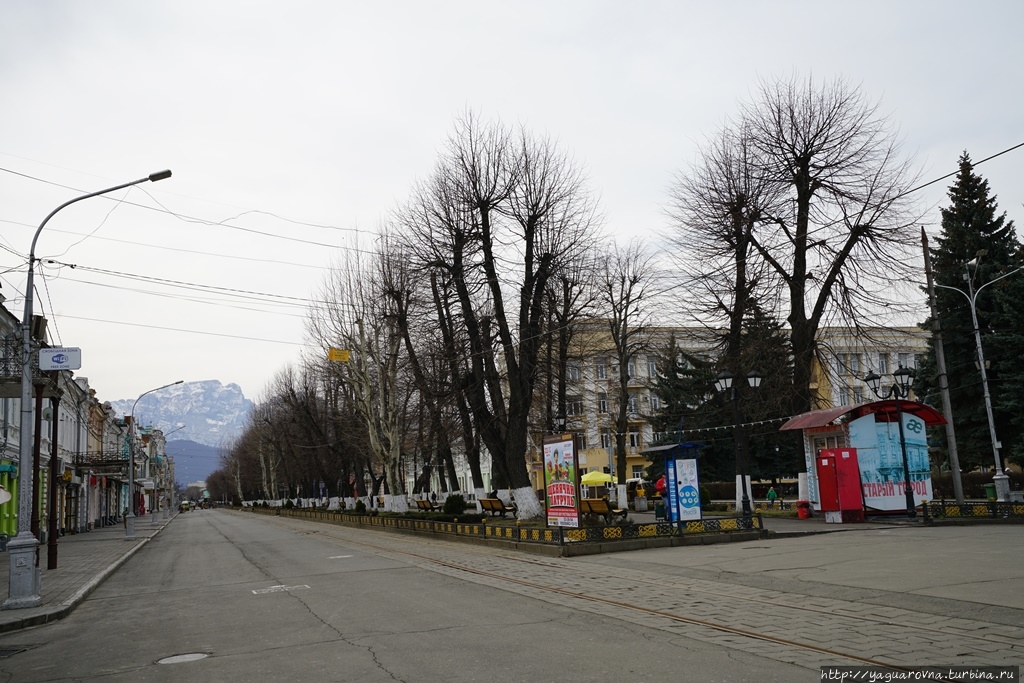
x=900, y=388
x=24, y=584
x=724, y=382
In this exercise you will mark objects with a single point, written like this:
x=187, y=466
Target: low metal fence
x=940, y=509
x=561, y=536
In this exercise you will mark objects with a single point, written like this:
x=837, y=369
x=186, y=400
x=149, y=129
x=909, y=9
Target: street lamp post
x=25, y=579
x=129, y=527
x=1001, y=481
x=724, y=382
x=899, y=389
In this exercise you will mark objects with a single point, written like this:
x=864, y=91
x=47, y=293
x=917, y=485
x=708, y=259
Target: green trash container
x=990, y=491
x=659, y=509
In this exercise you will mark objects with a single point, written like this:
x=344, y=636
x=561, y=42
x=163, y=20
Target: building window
x=634, y=439
x=903, y=359
x=655, y=402
x=652, y=366
x=853, y=363
x=606, y=438
x=573, y=405
x=883, y=363
x=581, y=439
x=602, y=402
x=638, y=471
x=600, y=368
x=858, y=396
x=917, y=361
x=631, y=368
x=844, y=396
x=632, y=406
x=573, y=372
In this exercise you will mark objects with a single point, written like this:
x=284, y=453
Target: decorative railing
x=527, y=534
x=944, y=509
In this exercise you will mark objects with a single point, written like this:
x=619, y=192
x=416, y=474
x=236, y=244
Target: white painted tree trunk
x=528, y=504
x=396, y=503
x=478, y=494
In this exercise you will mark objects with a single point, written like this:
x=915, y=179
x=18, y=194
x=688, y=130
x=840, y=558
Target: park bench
x=600, y=506
x=496, y=506
x=427, y=506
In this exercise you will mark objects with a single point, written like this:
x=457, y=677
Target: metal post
x=51, y=534
x=24, y=584
x=940, y=361
x=911, y=507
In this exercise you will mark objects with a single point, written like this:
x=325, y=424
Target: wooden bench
x=496, y=506
x=427, y=506
x=600, y=506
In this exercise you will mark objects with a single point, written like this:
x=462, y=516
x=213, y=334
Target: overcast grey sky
x=291, y=125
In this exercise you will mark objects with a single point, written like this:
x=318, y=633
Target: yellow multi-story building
x=592, y=397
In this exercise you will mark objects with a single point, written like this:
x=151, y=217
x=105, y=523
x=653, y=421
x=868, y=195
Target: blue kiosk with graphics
x=682, y=482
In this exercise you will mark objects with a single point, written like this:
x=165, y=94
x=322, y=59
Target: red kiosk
x=855, y=460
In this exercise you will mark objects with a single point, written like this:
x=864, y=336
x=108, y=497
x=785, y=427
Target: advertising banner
x=683, y=490
x=560, y=492
x=880, y=458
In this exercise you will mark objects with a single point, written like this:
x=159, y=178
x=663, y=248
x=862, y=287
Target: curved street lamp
x=1001, y=481
x=724, y=383
x=900, y=388
x=129, y=527
x=25, y=581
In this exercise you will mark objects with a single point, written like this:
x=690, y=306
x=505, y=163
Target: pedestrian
x=772, y=496
x=660, y=485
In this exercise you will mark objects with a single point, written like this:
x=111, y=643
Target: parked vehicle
x=638, y=487
x=183, y=506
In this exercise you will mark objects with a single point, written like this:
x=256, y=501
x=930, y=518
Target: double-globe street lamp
x=900, y=388
x=724, y=382
x=129, y=526
x=1000, y=479
x=24, y=583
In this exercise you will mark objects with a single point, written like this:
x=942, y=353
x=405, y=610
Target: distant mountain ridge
x=206, y=412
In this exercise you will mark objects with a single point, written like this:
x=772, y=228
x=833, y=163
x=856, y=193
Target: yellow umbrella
x=596, y=478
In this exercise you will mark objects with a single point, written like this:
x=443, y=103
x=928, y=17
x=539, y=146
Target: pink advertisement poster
x=560, y=495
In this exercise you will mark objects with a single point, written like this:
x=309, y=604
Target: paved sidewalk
x=83, y=562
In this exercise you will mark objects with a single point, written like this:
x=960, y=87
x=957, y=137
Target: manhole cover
x=178, y=659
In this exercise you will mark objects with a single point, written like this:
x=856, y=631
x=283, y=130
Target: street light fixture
x=724, y=382
x=900, y=388
x=129, y=526
x=1000, y=479
x=25, y=579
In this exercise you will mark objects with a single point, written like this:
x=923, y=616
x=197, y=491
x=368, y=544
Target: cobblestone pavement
x=810, y=622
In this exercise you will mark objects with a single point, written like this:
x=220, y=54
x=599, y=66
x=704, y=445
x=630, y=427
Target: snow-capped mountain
x=206, y=412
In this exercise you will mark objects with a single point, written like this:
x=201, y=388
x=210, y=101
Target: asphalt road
x=242, y=597
x=271, y=600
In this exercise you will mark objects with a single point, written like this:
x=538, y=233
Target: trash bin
x=659, y=508
x=640, y=502
x=803, y=509
x=990, y=491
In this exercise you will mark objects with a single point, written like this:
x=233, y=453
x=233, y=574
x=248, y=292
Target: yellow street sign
x=338, y=355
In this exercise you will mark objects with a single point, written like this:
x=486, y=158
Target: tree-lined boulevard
x=271, y=598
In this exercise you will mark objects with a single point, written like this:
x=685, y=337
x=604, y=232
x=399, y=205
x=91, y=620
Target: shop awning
x=885, y=411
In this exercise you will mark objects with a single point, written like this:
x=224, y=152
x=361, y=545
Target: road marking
x=278, y=589
x=178, y=659
x=338, y=557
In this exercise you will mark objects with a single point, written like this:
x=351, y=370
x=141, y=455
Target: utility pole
x=940, y=360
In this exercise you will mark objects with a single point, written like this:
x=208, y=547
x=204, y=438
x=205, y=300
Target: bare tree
x=500, y=214
x=625, y=283
x=811, y=196
x=359, y=315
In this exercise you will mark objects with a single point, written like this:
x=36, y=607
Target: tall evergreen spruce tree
x=980, y=245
